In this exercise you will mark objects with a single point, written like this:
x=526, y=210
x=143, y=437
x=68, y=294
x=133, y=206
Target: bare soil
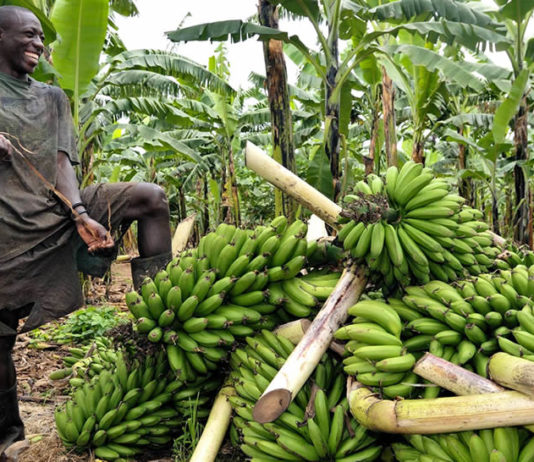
x=38, y=395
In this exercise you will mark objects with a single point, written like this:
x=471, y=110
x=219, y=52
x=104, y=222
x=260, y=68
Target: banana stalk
x=497, y=240
x=182, y=234
x=462, y=382
x=302, y=361
x=291, y=184
x=294, y=331
x=452, y=377
x=439, y=415
x=512, y=372
x=213, y=435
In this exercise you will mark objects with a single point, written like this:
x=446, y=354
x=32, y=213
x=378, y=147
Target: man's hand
x=6, y=149
x=93, y=234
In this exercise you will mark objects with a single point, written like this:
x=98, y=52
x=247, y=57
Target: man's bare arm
x=93, y=233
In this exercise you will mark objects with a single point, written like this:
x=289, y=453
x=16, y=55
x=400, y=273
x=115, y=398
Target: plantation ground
x=39, y=395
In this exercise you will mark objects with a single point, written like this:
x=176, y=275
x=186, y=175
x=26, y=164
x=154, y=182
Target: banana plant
x=82, y=27
x=516, y=16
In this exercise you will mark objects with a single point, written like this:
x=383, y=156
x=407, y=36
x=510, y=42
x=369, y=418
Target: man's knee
x=149, y=200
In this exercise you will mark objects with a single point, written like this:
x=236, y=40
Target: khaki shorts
x=46, y=276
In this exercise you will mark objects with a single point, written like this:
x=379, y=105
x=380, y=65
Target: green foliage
x=192, y=428
x=81, y=326
x=82, y=26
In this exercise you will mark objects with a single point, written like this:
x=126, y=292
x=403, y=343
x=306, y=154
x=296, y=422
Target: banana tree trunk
x=369, y=161
x=418, y=153
x=521, y=218
x=465, y=185
x=233, y=214
x=281, y=119
x=332, y=110
x=388, y=109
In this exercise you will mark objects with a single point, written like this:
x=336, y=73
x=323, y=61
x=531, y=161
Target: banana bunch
x=510, y=444
x=234, y=283
x=122, y=411
x=316, y=425
x=409, y=228
x=86, y=361
x=513, y=255
x=301, y=297
x=376, y=353
x=464, y=322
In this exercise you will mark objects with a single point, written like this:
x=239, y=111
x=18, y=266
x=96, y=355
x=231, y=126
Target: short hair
x=9, y=12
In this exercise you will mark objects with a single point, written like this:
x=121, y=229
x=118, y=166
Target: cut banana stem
x=452, y=377
x=497, y=240
x=291, y=184
x=294, y=331
x=215, y=430
x=512, y=372
x=182, y=234
x=439, y=415
x=302, y=361
x=460, y=381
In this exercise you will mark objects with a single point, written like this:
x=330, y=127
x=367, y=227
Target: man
x=40, y=237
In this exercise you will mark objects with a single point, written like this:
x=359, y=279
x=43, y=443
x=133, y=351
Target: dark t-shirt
x=36, y=118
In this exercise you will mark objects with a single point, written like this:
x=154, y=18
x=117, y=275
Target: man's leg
x=148, y=205
x=11, y=426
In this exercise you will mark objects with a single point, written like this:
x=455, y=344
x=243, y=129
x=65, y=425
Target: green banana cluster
x=234, y=283
x=464, y=322
x=314, y=427
x=510, y=444
x=512, y=255
x=375, y=351
x=136, y=405
x=409, y=228
x=86, y=361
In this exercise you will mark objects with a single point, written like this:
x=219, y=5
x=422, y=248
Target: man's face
x=21, y=44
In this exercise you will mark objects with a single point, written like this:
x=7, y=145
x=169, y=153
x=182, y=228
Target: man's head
x=21, y=41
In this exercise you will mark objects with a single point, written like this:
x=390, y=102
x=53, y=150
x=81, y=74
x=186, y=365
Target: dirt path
x=39, y=395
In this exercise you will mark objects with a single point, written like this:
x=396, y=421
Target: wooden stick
x=213, y=435
x=512, y=372
x=440, y=415
x=291, y=184
x=302, y=361
x=452, y=377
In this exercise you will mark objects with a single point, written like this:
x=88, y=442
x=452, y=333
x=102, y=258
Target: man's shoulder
x=47, y=88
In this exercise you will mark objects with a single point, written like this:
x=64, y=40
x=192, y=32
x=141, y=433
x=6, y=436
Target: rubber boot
x=148, y=266
x=11, y=426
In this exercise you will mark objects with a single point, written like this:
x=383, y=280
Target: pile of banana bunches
x=408, y=228
x=234, y=283
x=316, y=426
x=125, y=406
x=509, y=444
x=464, y=322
